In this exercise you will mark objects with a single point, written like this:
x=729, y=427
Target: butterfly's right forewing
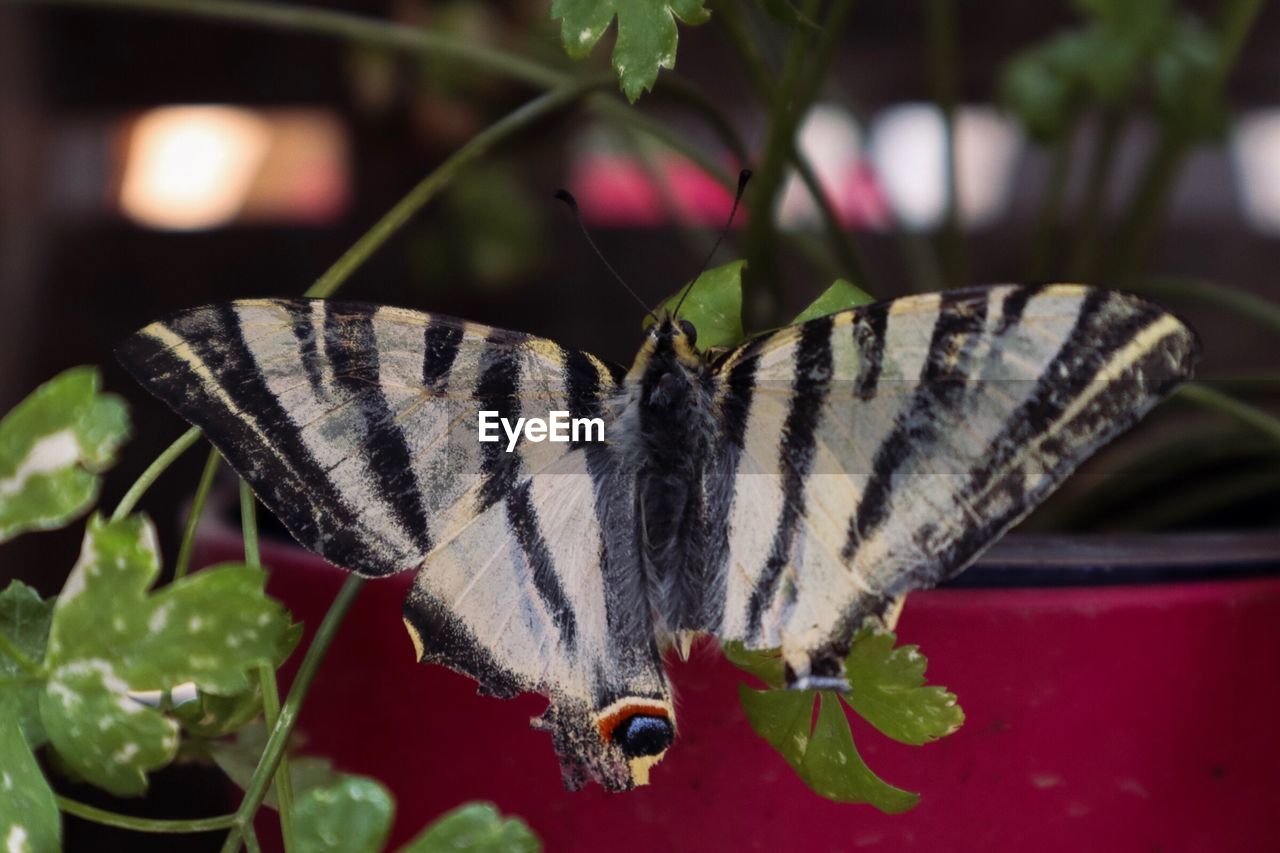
x=882, y=449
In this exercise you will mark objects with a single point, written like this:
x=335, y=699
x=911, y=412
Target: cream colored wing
x=880, y=450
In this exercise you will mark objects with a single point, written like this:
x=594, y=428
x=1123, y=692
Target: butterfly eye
x=689, y=332
x=643, y=734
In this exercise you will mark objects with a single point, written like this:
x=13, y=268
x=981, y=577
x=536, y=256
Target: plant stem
x=274, y=751
x=1049, y=217
x=26, y=664
x=762, y=81
x=1089, y=222
x=355, y=28
x=143, y=824
x=153, y=472
x=1146, y=211
x=942, y=34
x=266, y=674
x=249, y=526
x=183, y=563
x=1209, y=398
x=439, y=178
x=1246, y=305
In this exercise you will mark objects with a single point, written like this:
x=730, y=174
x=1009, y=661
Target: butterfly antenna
x=572, y=203
x=743, y=177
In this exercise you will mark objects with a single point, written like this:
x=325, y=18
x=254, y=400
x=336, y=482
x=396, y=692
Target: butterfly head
x=616, y=746
x=673, y=338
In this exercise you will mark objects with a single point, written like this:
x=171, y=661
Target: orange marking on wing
x=610, y=723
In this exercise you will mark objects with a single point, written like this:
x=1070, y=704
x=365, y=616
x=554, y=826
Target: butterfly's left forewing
x=880, y=450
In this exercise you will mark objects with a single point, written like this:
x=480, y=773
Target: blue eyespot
x=643, y=734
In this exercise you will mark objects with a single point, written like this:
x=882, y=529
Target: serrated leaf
x=764, y=664
x=475, y=828
x=24, y=619
x=239, y=756
x=647, y=34
x=887, y=689
x=714, y=306
x=351, y=815
x=29, y=820
x=840, y=296
x=107, y=738
x=109, y=637
x=53, y=445
x=833, y=768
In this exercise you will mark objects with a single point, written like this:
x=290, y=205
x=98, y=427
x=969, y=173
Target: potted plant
x=1103, y=680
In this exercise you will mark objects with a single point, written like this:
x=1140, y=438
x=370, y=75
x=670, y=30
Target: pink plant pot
x=1100, y=716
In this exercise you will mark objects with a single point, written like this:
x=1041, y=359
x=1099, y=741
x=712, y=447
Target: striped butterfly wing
x=880, y=450
x=356, y=425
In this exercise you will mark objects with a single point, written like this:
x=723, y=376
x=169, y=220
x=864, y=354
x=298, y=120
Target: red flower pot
x=1116, y=700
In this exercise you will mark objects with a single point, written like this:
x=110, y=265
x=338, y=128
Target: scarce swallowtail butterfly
x=779, y=494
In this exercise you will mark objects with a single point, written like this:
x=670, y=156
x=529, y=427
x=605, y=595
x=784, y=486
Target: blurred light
x=191, y=167
x=908, y=148
x=832, y=143
x=1255, y=148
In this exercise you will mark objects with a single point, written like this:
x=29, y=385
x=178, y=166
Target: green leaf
x=29, y=820
x=210, y=716
x=24, y=620
x=714, y=306
x=823, y=756
x=239, y=757
x=109, y=637
x=52, y=447
x=106, y=737
x=1188, y=97
x=840, y=296
x=351, y=815
x=646, y=34
x=475, y=828
x=887, y=689
x=764, y=664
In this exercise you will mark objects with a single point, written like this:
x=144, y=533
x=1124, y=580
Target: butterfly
x=780, y=494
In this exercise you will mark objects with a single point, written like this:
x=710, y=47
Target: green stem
x=266, y=674
x=251, y=840
x=683, y=92
x=942, y=34
x=1146, y=211
x=279, y=738
x=1209, y=398
x=762, y=81
x=249, y=526
x=11, y=650
x=1246, y=305
x=1049, y=217
x=143, y=824
x=183, y=563
x=355, y=28
x=439, y=178
x=153, y=472
x=1092, y=210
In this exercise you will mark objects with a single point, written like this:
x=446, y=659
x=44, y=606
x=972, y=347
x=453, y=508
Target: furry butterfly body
x=779, y=494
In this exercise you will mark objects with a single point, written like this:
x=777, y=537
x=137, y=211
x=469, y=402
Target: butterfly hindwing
x=879, y=450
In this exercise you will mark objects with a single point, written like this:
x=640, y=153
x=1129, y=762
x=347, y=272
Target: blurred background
x=151, y=162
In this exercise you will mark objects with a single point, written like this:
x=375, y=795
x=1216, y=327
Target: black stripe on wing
x=810, y=387
x=959, y=326
x=352, y=348
x=272, y=457
x=498, y=390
